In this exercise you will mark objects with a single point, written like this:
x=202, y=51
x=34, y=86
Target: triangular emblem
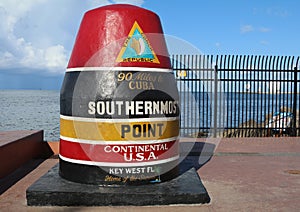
x=137, y=48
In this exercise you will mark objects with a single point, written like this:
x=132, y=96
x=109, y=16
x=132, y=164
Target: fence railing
x=237, y=95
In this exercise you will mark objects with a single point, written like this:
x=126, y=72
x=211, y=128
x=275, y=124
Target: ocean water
x=39, y=110
x=30, y=110
x=232, y=109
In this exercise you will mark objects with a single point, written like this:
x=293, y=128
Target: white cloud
x=264, y=42
x=264, y=29
x=55, y=57
x=217, y=44
x=6, y=58
x=246, y=28
x=277, y=11
x=98, y=3
x=249, y=28
x=19, y=48
x=135, y=2
x=39, y=34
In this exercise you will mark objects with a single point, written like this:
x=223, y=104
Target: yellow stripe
x=119, y=131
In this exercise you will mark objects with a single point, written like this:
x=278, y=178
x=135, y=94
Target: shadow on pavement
x=195, y=155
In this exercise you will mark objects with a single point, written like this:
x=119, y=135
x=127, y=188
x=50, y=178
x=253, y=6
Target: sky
x=37, y=36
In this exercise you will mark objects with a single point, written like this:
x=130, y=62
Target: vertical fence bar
x=205, y=94
x=187, y=93
x=236, y=92
x=244, y=103
x=249, y=92
x=215, y=100
x=200, y=64
x=276, y=68
x=183, y=86
x=256, y=103
x=284, y=81
x=240, y=99
x=268, y=79
x=232, y=94
x=192, y=95
x=297, y=115
x=227, y=87
x=261, y=91
x=295, y=100
x=220, y=85
x=264, y=88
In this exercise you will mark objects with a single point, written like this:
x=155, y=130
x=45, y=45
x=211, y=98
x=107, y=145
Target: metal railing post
x=295, y=102
x=215, y=101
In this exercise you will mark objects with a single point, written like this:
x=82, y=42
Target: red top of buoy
x=120, y=35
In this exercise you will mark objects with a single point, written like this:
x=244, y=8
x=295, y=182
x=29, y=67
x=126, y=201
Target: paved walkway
x=257, y=174
x=245, y=174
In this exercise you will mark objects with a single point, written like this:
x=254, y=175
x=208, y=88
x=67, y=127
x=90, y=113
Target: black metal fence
x=238, y=96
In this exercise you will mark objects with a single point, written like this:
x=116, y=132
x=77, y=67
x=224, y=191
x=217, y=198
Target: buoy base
x=102, y=176
x=52, y=190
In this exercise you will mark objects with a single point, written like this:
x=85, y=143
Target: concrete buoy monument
x=119, y=119
x=119, y=101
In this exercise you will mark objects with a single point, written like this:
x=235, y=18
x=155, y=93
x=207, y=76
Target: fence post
x=215, y=101
x=294, y=131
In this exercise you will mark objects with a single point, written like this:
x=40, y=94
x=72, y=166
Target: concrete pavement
x=244, y=174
